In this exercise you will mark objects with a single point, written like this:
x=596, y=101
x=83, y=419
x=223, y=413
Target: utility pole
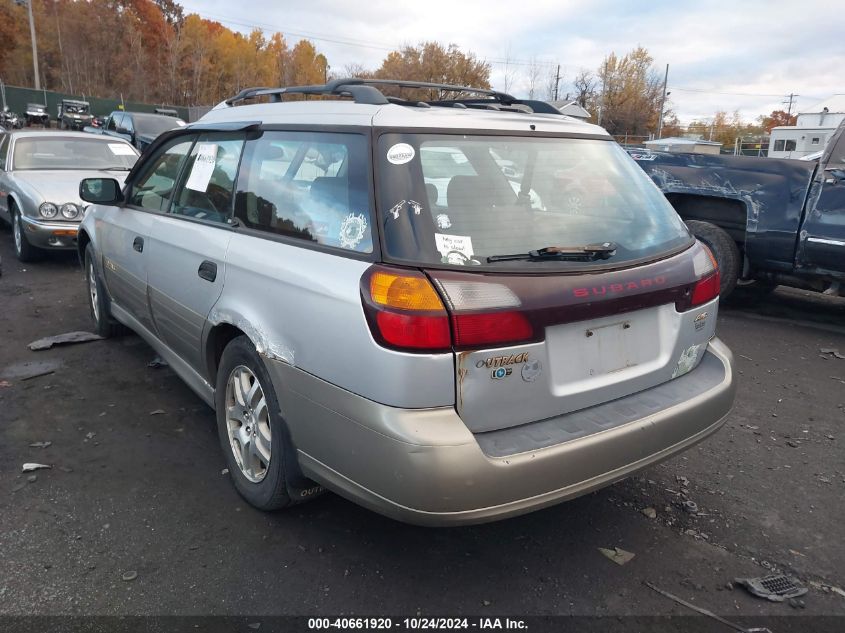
x=789, y=109
x=662, y=103
x=557, y=81
x=34, y=45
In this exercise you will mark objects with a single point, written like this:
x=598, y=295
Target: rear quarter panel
x=773, y=191
x=303, y=307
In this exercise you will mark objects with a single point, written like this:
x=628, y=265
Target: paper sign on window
x=203, y=167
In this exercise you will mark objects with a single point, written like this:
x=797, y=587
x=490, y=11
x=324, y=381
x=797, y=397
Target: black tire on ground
x=271, y=492
x=24, y=251
x=725, y=251
x=104, y=323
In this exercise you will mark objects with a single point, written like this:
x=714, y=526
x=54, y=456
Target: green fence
x=16, y=99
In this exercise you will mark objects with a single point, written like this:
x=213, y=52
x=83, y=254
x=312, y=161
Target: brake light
x=705, y=289
x=708, y=286
x=406, y=312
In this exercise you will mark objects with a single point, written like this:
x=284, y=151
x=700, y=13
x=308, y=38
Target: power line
x=736, y=94
x=265, y=26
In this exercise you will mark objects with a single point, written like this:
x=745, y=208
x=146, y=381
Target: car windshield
x=457, y=200
x=155, y=125
x=76, y=108
x=62, y=152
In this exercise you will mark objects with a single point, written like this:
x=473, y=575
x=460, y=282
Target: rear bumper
x=424, y=466
x=53, y=235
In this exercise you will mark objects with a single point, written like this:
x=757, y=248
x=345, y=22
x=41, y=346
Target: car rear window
x=457, y=200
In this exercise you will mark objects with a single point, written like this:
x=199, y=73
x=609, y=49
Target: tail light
x=406, y=312
x=709, y=282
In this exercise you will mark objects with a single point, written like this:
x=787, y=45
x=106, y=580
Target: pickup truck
x=768, y=221
x=139, y=128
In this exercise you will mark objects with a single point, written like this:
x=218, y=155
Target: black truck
x=768, y=221
x=139, y=128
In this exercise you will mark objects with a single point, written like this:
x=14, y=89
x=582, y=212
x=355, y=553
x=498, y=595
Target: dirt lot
x=131, y=491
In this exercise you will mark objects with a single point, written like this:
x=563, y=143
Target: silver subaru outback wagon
x=449, y=311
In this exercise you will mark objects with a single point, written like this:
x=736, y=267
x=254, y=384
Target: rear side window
x=309, y=186
x=208, y=186
x=152, y=191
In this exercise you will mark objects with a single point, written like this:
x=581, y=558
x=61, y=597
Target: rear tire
x=725, y=251
x=24, y=251
x=98, y=303
x=250, y=425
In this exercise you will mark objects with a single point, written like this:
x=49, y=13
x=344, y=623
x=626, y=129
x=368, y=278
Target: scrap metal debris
x=30, y=466
x=63, y=339
x=40, y=444
x=617, y=555
x=832, y=352
x=703, y=611
x=776, y=587
x=157, y=362
x=129, y=575
x=158, y=412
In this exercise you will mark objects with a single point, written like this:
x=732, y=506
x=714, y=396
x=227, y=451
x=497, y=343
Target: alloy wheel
x=248, y=423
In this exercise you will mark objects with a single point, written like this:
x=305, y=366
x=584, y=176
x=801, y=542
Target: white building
x=813, y=128
x=684, y=145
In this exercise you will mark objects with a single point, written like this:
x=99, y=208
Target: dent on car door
x=186, y=275
x=822, y=243
x=124, y=232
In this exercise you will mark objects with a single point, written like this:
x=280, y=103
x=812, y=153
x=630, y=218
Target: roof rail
x=364, y=91
x=360, y=93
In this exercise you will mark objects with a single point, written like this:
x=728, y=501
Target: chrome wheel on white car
x=248, y=423
x=16, y=231
x=92, y=291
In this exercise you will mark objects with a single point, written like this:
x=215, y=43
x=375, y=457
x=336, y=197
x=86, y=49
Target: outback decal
x=700, y=321
x=502, y=361
x=606, y=289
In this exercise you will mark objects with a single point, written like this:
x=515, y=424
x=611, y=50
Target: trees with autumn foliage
x=146, y=50
x=776, y=118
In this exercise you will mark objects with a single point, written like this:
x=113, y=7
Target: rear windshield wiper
x=586, y=253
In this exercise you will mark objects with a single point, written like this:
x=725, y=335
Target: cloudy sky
x=722, y=54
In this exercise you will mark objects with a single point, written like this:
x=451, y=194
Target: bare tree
x=355, y=70
x=533, y=74
x=585, y=84
x=509, y=72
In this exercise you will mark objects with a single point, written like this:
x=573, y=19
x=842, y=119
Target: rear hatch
x=563, y=277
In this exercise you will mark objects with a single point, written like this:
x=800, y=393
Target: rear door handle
x=138, y=244
x=208, y=271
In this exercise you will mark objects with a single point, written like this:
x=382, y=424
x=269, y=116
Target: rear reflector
x=492, y=328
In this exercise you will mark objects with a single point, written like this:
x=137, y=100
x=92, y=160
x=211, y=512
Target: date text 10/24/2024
x=416, y=623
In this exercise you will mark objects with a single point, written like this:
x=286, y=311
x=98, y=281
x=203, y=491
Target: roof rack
x=364, y=91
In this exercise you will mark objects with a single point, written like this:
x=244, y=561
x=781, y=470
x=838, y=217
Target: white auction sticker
x=400, y=154
x=203, y=167
x=456, y=249
x=121, y=149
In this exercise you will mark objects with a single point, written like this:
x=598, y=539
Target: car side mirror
x=100, y=191
x=122, y=130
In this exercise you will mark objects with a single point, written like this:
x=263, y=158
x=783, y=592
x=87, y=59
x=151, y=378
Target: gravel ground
x=137, y=495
